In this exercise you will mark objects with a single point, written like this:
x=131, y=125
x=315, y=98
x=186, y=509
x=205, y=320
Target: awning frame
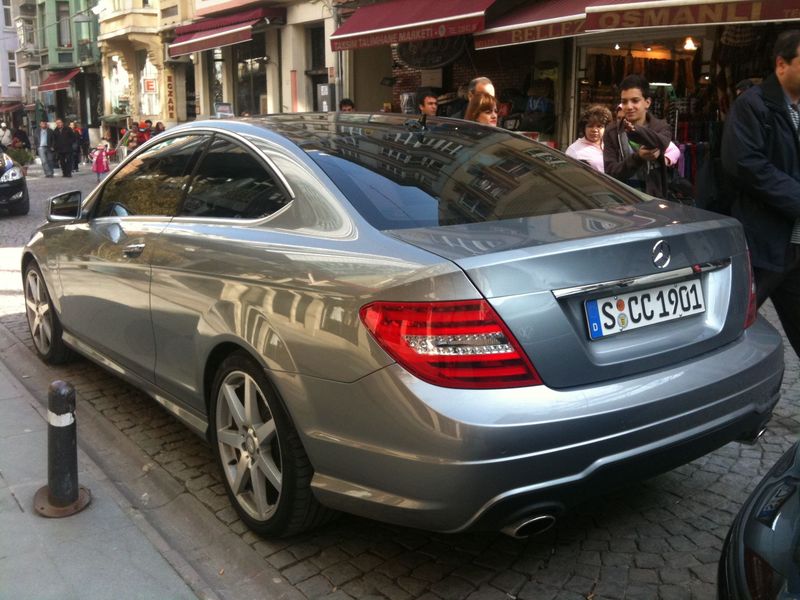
x=58, y=80
x=208, y=40
x=359, y=31
x=231, y=29
x=648, y=14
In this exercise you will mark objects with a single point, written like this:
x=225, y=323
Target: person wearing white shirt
x=43, y=141
x=5, y=135
x=589, y=147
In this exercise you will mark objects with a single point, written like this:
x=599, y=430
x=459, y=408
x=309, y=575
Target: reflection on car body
x=354, y=312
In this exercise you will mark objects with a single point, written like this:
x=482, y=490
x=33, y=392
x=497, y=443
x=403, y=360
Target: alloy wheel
x=248, y=445
x=39, y=312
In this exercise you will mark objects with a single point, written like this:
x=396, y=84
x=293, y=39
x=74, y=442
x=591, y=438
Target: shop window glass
x=118, y=86
x=215, y=74
x=152, y=184
x=232, y=184
x=251, y=75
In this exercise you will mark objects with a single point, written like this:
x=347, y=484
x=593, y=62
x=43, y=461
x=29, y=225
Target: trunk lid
x=539, y=272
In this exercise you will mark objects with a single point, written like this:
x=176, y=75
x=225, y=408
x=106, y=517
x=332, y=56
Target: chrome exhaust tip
x=751, y=438
x=529, y=526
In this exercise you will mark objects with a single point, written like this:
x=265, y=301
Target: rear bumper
x=396, y=449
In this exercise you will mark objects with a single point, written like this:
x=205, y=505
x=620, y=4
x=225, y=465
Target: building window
x=64, y=31
x=7, y=13
x=41, y=23
x=317, y=47
x=12, y=67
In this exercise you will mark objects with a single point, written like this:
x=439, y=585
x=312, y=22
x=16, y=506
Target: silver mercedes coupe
x=436, y=324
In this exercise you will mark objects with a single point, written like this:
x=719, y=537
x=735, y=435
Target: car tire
x=43, y=322
x=264, y=466
x=23, y=208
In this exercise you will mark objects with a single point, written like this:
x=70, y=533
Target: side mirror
x=64, y=207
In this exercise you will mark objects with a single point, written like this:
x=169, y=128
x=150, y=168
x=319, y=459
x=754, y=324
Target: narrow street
x=655, y=539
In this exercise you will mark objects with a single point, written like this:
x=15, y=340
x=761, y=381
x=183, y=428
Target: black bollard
x=62, y=496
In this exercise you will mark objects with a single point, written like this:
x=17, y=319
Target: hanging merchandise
x=683, y=81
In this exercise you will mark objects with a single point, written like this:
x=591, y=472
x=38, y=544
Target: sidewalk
x=106, y=551
x=35, y=169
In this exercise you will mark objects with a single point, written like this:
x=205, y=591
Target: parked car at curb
x=13, y=187
x=441, y=325
x=761, y=555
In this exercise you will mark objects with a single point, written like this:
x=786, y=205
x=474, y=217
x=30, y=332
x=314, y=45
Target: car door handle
x=133, y=250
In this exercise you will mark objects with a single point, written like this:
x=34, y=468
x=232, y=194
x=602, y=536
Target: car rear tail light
x=752, y=302
x=763, y=582
x=460, y=344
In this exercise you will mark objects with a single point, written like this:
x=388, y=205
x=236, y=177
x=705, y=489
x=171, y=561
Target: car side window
x=231, y=183
x=153, y=183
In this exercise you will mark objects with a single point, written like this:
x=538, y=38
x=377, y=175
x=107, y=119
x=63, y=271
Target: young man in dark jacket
x=633, y=147
x=761, y=155
x=63, y=138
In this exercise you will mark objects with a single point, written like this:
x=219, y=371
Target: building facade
x=58, y=60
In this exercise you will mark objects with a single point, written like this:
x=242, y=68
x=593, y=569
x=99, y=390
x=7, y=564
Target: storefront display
x=692, y=74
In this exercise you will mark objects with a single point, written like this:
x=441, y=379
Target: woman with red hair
x=482, y=108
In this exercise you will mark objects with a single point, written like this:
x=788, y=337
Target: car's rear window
x=399, y=176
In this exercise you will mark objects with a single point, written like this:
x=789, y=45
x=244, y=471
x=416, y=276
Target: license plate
x=623, y=312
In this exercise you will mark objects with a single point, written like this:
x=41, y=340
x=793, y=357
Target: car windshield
x=400, y=175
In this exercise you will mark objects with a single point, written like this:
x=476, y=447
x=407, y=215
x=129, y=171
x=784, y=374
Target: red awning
x=58, y=80
x=221, y=31
x=531, y=23
x=8, y=107
x=624, y=14
x=396, y=21
x=206, y=40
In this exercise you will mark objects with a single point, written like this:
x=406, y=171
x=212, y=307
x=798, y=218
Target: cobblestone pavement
x=655, y=539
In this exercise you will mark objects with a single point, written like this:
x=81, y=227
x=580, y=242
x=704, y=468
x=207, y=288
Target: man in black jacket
x=633, y=147
x=761, y=154
x=63, y=138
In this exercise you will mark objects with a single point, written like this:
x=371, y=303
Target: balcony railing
x=28, y=60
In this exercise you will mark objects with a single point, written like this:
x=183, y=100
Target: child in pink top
x=100, y=160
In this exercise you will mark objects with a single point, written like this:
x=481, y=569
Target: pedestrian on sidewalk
x=99, y=158
x=42, y=141
x=20, y=138
x=476, y=86
x=761, y=156
x=76, y=145
x=633, y=148
x=5, y=135
x=63, y=138
x=85, y=148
